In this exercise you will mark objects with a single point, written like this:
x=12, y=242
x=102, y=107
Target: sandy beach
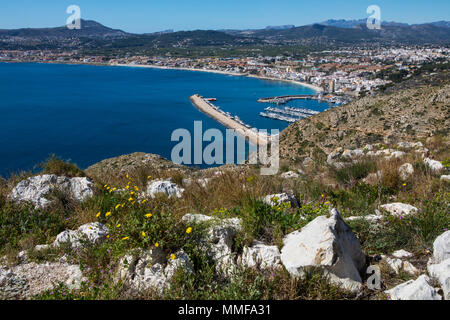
x=253, y=137
x=308, y=85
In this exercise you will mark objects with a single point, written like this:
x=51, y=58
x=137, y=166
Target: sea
x=85, y=114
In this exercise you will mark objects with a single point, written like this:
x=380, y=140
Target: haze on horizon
x=140, y=16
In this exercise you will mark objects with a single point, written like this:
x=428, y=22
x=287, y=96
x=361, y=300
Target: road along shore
x=253, y=137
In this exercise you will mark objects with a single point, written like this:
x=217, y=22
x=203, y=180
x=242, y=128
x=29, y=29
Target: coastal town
x=338, y=76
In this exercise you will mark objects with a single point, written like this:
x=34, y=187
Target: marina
x=227, y=119
x=288, y=114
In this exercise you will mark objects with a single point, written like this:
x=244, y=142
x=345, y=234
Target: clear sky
x=141, y=16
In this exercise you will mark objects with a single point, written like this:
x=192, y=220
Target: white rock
x=289, y=175
x=369, y=217
x=36, y=189
x=41, y=277
x=151, y=270
x=261, y=256
x=434, y=165
x=441, y=272
x=441, y=248
x=399, y=209
x=307, y=162
x=277, y=199
x=402, y=254
x=94, y=233
x=445, y=178
x=12, y=286
x=327, y=243
x=408, y=267
x=352, y=154
x=410, y=145
x=396, y=155
x=419, y=289
x=406, y=171
x=395, y=264
x=219, y=239
x=164, y=187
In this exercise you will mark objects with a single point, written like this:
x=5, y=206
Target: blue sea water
x=89, y=113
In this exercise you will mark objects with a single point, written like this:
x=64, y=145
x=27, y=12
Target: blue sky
x=149, y=15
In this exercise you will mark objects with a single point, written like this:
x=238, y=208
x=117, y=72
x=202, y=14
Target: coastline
x=308, y=85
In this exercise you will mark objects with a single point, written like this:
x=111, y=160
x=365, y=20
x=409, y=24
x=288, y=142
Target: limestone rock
x=277, y=199
x=402, y=254
x=36, y=189
x=441, y=248
x=151, y=270
x=419, y=289
x=261, y=256
x=434, y=165
x=94, y=232
x=445, y=178
x=290, y=175
x=219, y=240
x=441, y=272
x=12, y=286
x=166, y=187
x=406, y=171
x=329, y=244
x=399, y=209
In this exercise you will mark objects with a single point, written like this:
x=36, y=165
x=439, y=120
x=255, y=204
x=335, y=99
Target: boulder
x=261, y=256
x=328, y=244
x=445, y=178
x=441, y=248
x=352, y=154
x=434, y=165
x=36, y=189
x=166, y=187
x=218, y=242
x=399, y=209
x=406, y=171
x=441, y=272
x=277, y=199
x=151, y=270
x=398, y=264
x=395, y=155
x=419, y=289
x=94, y=233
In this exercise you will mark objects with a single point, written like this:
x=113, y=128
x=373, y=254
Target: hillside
x=408, y=112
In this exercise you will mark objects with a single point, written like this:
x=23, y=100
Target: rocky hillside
x=406, y=114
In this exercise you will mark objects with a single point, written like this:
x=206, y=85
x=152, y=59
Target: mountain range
x=330, y=32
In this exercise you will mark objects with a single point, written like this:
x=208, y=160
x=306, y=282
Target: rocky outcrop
x=289, y=175
x=399, y=209
x=151, y=270
x=94, y=233
x=166, y=187
x=397, y=265
x=419, y=289
x=12, y=286
x=36, y=189
x=218, y=242
x=401, y=254
x=328, y=244
x=261, y=256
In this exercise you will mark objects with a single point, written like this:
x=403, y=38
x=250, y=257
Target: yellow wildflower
x=144, y=201
x=143, y=234
x=136, y=188
x=149, y=177
x=127, y=176
x=127, y=187
x=188, y=230
x=118, y=206
x=105, y=186
x=98, y=214
x=125, y=238
x=108, y=214
x=172, y=256
x=118, y=226
x=148, y=215
x=107, y=236
x=131, y=199
x=157, y=244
